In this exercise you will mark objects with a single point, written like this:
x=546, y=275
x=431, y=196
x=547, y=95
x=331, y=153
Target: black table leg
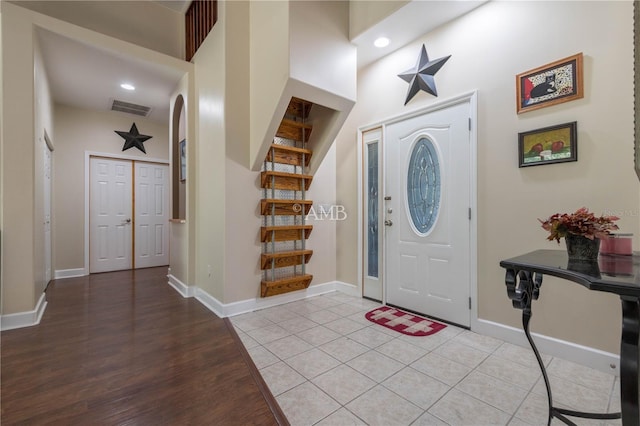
x=629, y=357
x=523, y=287
x=526, y=317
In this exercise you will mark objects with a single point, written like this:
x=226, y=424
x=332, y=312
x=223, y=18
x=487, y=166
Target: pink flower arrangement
x=582, y=222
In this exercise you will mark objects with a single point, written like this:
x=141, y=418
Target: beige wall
x=144, y=23
x=323, y=237
x=489, y=46
x=1, y=175
x=209, y=161
x=269, y=47
x=304, y=51
x=228, y=192
x=79, y=131
x=21, y=286
x=18, y=273
x=364, y=14
x=181, y=240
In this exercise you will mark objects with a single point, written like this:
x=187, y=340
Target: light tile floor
x=328, y=365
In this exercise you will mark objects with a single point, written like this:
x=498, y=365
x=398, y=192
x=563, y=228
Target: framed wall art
x=548, y=145
x=183, y=160
x=551, y=84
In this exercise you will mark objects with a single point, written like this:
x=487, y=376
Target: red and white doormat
x=403, y=322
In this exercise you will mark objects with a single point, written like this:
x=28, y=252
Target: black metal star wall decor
x=421, y=77
x=133, y=138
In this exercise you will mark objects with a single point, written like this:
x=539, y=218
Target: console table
x=613, y=274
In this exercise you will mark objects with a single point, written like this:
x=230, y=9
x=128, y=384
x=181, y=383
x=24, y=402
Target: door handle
x=388, y=222
x=127, y=221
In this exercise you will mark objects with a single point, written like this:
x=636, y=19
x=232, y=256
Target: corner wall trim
x=70, y=273
x=180, y=287
x=210, y=302
x=24, y=319
x=584, y=355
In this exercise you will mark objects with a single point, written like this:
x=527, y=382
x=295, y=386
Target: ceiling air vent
x=130, y=108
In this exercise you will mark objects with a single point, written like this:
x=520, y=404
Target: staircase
x=284, y=205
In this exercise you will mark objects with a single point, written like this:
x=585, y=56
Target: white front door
x=151, y=215
x=427, y=210
x=47, y=213
x=110, y=215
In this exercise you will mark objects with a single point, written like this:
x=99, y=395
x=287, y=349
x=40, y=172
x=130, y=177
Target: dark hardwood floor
x=125, y=348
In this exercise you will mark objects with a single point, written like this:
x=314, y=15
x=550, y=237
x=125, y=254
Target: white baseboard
x=24, y=319
x=584, y=355
x=70, y=273
x=180, y=287
x=210, y=302
x=250, y=305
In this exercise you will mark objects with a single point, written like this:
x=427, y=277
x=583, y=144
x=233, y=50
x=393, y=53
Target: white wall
x=489, y=46
x=79, y=131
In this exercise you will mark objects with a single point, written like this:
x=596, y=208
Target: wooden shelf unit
x=284, y=259
x=293, y=156
x=296, y=130
x=285, y=233
x=284, y=207
x=283, y=180
x=289, y=155
x=272, y=288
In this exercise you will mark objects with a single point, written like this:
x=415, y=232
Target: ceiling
x=88, y=77
x=175, y=5
x=416, y=18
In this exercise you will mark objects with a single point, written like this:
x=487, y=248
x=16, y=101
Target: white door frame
x=87, y=184
x=48, y=208
x=472, y=98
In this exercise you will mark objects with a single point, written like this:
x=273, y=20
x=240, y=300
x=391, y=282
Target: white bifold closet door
x=151, y=214
x=128, y=214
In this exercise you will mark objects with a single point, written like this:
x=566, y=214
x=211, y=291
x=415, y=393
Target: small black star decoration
x=133, y=138
x=421, y=77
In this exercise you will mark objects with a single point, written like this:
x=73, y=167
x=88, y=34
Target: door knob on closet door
x=128, y=220
x=388, y=222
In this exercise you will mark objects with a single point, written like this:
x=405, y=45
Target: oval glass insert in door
x=423, y=186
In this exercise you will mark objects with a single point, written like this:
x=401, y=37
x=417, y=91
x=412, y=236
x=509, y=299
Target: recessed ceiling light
x=381, y=42
x=127, y=86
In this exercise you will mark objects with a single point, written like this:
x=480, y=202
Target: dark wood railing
x=199, y=19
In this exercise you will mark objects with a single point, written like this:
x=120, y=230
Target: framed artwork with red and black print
x=551, y=84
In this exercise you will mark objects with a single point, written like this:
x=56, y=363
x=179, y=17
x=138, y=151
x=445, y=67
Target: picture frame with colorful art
x=551, y=84
x=548, y=145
